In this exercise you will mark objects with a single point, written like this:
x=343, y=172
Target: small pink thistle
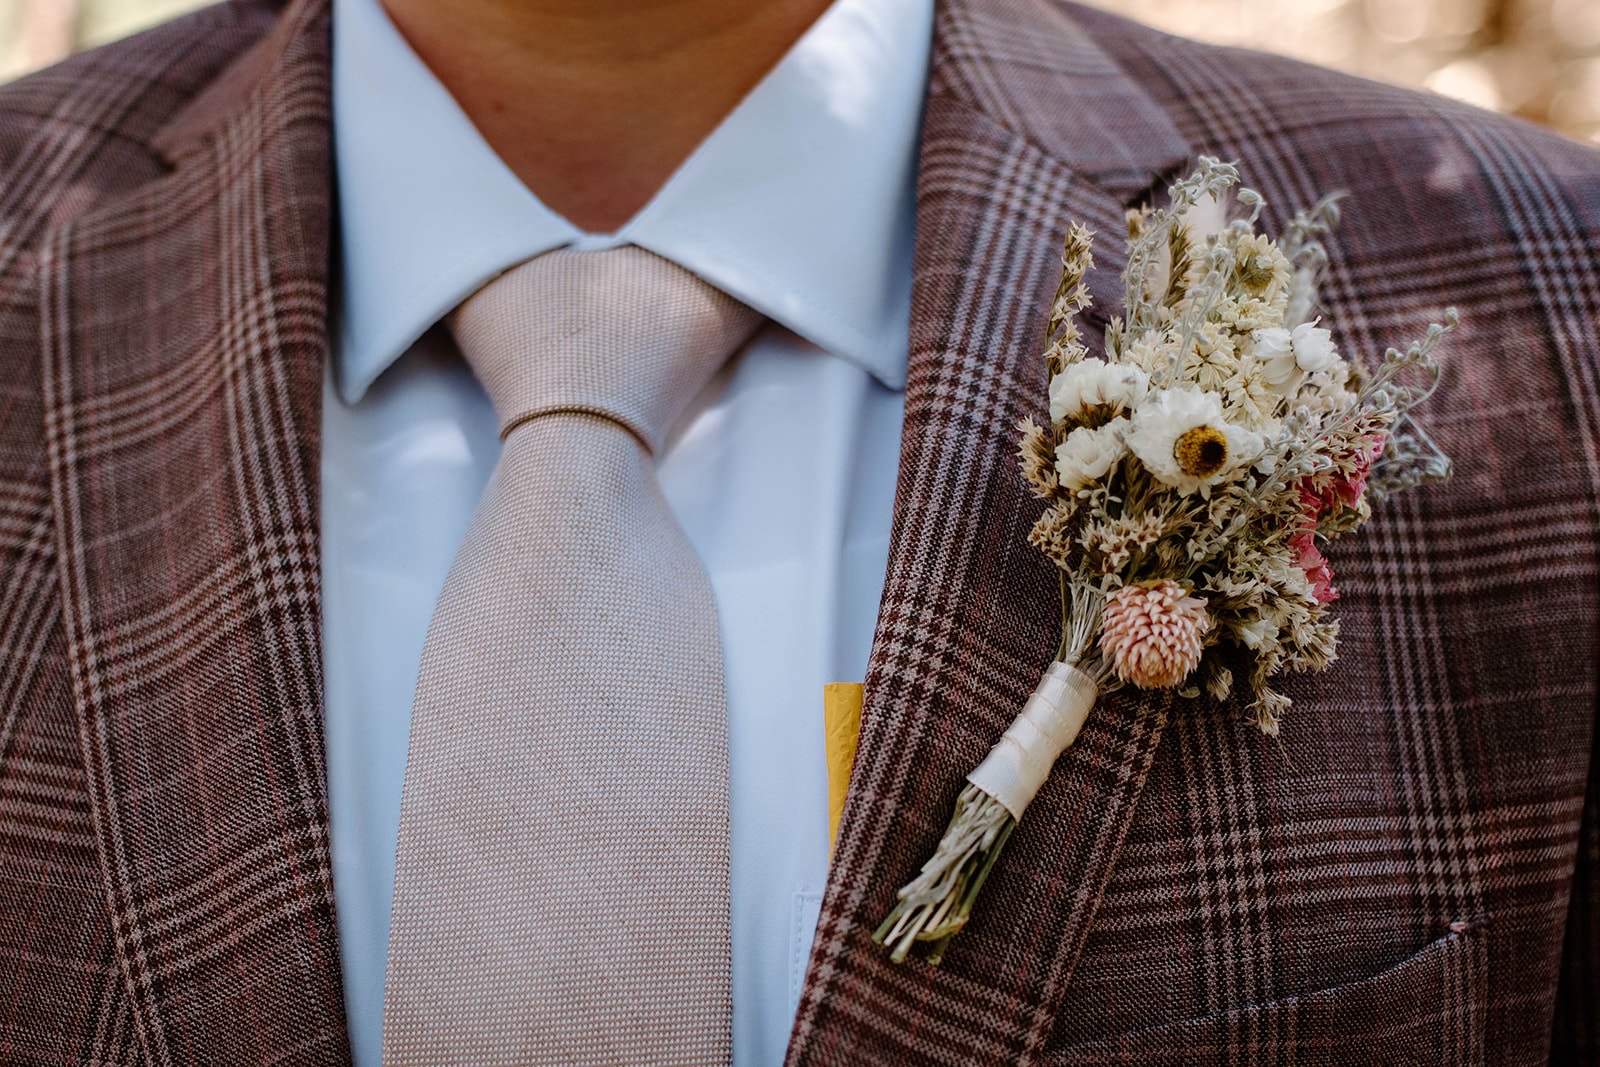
x=1151, y=633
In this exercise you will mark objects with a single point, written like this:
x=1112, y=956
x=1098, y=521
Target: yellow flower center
x=1255, y=274
x=1201, y=452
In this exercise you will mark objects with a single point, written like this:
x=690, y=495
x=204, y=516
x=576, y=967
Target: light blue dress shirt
x=782, y=472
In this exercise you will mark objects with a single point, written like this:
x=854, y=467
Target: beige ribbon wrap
x=1017, y=766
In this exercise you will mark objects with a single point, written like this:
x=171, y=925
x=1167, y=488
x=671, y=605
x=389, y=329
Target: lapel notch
x=1029, y=126
x=184, y=335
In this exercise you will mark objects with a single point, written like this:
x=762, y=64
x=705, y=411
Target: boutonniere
x=1189, y=480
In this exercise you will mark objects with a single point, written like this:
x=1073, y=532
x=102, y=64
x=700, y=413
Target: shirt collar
x=800, y=203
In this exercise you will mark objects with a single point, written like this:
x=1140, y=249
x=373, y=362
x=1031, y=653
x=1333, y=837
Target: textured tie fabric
x=561, y=892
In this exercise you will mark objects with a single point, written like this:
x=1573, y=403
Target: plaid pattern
x=166, y=880
x=1413, y=877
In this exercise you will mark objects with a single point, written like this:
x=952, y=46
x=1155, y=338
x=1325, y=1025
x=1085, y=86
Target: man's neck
x=594, y=103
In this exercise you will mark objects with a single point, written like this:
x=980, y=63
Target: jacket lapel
x=1028, y=127
x=184, y=338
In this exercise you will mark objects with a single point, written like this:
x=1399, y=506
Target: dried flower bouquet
x=1188, y=479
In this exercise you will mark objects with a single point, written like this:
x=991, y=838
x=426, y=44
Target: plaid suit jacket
x=1413, y=877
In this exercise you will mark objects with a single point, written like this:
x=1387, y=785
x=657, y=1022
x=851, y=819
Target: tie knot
x=621, y=333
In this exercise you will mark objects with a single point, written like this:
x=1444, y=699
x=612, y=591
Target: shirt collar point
x=354, y=371
x=880, y=357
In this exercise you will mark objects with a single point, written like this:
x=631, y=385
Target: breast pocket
x=1426, y=1010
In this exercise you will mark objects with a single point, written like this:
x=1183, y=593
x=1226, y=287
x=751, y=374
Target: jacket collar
x=1035, y=69
x=183, y=387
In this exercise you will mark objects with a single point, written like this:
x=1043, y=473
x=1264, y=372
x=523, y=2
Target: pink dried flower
x=1345, y=489
x=1150, y=633
x=1311, y=560
x=1349, y=489
x=1315, y=503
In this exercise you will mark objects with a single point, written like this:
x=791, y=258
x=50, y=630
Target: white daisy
x=1183, y=441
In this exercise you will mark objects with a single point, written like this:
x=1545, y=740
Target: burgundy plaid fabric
x=1412, y=877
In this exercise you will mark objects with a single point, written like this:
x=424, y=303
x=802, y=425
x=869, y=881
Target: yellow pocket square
x=841, y=719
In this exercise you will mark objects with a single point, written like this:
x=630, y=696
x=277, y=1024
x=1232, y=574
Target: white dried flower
x=1183, y=441
x=1251, y=402
x=1245, y=315
x=1087, y=454
x=1262, y=270
x=1313, y=347
x=1273, y=349
x=1323, y=391
x=1211, y=363
x=1258, y=632
x=1285, y=356
x=1096, y=383
x=1267, y=710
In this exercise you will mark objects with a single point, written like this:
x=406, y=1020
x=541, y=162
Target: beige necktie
x=561, y=893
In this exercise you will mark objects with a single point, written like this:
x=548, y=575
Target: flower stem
x=936, y=905
x=1066, y=617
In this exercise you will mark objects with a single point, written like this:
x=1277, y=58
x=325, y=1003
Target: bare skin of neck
x=594, y=103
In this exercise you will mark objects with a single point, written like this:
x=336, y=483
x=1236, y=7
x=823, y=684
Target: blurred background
x=1536, y=58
